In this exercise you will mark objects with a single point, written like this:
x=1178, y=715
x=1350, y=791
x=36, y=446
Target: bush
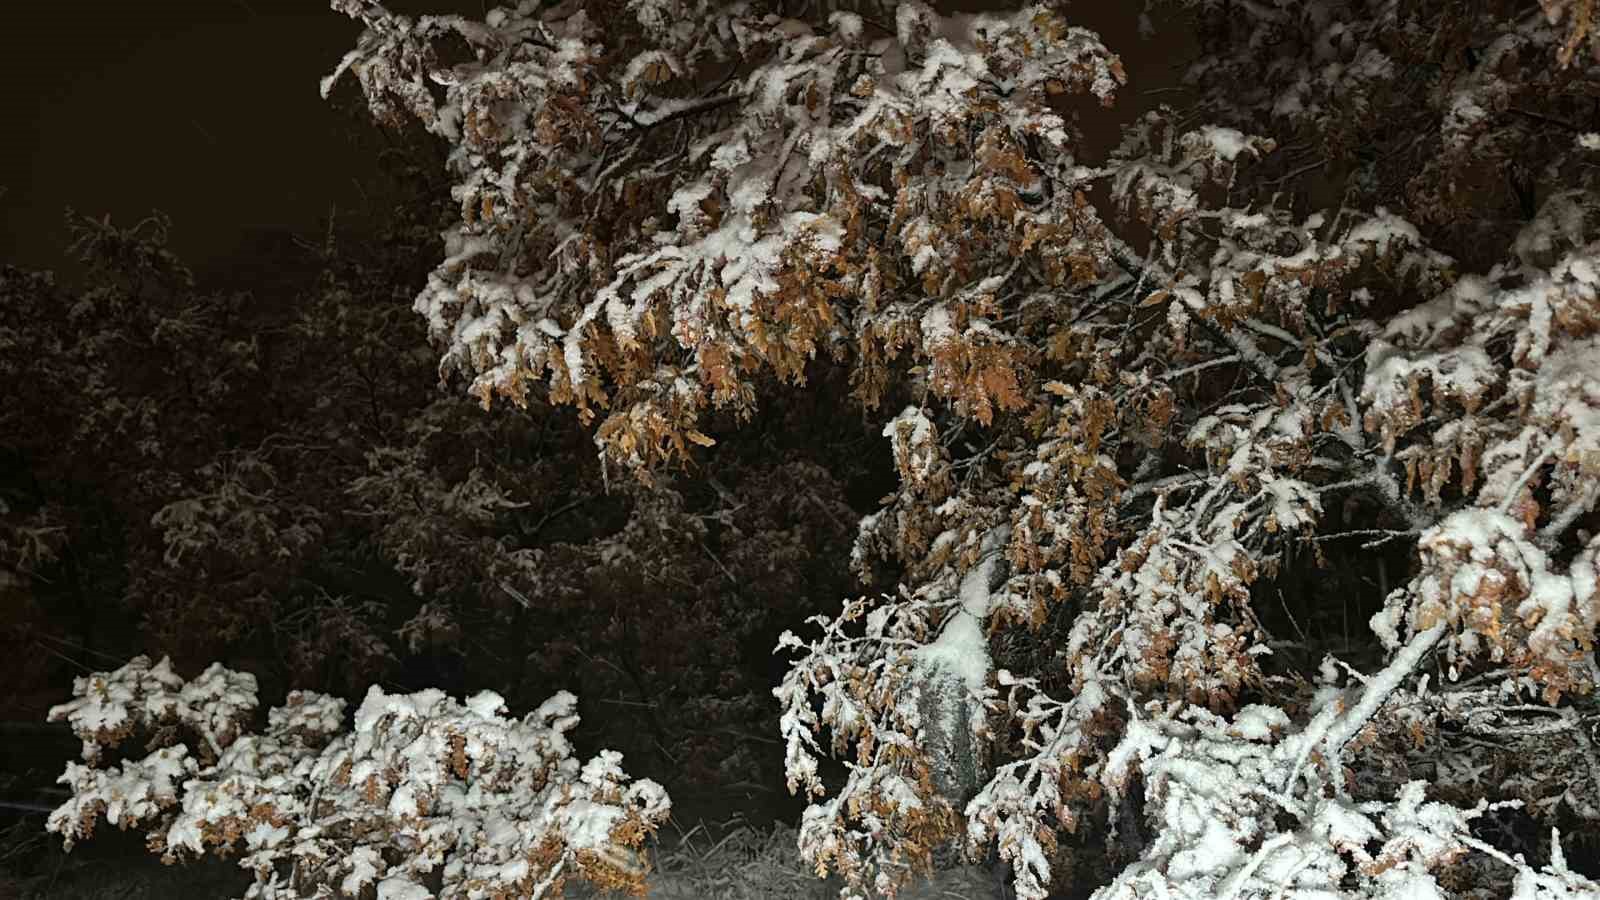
x=422, y=796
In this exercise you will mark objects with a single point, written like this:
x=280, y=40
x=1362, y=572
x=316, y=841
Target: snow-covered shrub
x=422, y=795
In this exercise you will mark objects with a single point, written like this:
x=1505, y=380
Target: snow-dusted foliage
x=1250, y=808
x=1318, y=345
x=734, y=192
x=1505, y=370
x=419, y=796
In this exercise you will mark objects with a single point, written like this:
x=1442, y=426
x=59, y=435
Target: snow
x=365, y=864
x=107, y=703
x=962, y=647
x=399, y=887
x=936, y=326
x=486, y=704
x=1383, y=230
x=1259, y=723
x=1464, y=117
x=846, y=24
x=1227, y=143
x=912, y=434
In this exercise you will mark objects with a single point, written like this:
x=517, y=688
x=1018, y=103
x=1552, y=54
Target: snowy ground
x=731, y=862
x=752, y=863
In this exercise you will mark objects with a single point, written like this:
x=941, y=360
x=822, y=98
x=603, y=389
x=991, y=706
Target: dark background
x=206, y=109
x=209, y=110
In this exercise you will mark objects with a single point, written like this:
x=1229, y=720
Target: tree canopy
x=1241, y=534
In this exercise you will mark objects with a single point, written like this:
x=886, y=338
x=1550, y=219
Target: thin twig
x=731, y=580
x=560, y=510
x=1522, y=481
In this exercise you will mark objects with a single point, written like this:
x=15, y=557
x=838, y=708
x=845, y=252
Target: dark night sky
x=209, y=110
